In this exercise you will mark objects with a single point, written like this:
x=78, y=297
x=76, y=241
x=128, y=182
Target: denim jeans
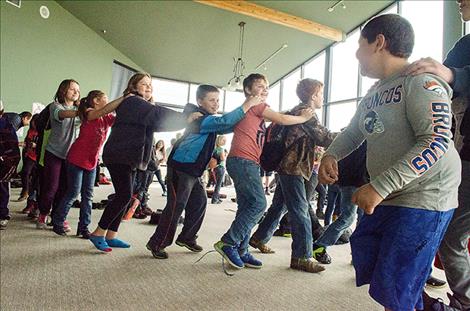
x=81, y=181
x=344, y=221
x=289, y=195
x=219, y=175
x=333, y=199
x=158, y=173
x=251, y=201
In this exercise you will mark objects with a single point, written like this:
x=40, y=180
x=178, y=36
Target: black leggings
x=121, y=176
x=26, y=174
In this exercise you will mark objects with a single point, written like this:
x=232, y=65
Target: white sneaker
x=3, y=224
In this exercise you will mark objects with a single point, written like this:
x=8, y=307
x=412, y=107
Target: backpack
x=9, y=150
x=274, y=147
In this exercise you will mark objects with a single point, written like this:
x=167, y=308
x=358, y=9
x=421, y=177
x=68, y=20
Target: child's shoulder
x=427, y=83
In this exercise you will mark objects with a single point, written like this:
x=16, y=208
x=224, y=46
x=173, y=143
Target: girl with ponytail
x=95, y=115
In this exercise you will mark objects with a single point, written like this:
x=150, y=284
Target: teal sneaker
x=229, y=253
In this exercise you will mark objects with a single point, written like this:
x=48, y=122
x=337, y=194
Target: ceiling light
x=333, y=7
x=239, y=64
x=264, y=62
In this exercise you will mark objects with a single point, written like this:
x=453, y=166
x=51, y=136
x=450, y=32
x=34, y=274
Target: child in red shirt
x=94, y=112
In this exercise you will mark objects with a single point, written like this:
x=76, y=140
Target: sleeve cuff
x=382, y=186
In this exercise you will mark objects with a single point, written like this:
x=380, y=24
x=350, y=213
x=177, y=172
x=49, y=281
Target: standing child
x=127, y=149
x=219, y=171
x=186, y=164
x=243, y=167
x=413, y=165
x=82, y=159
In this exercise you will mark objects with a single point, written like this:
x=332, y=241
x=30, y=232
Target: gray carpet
x=44, y=271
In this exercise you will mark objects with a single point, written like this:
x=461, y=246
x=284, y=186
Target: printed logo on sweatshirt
x=435, y=87
x=441, y=124
x=372, y=123
x=386, y=97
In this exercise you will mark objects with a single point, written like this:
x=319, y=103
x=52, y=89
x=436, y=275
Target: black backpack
x=9, y=150
x=274, y=147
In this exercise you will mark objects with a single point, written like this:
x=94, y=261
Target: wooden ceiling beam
x=277, y=17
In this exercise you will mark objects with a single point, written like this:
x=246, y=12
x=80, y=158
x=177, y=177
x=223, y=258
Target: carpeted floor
x=43, y=271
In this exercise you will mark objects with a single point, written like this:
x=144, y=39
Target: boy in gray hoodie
x=413, y=165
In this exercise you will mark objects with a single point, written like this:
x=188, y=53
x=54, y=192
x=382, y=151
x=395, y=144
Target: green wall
x=37, y=54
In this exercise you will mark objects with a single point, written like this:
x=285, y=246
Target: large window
x=344, y=73
x=422, y=15
x=315, y=69
x=233, y=100
x=366, y=83
x=273, y=97
x=192, y=93
x=289, y=96
x=170, y=92
x=339, y=115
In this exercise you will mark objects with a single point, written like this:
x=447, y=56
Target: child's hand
x=328, y=171
x=367, y=198
x=251, y=101
x=193, y=116
x=307, y=113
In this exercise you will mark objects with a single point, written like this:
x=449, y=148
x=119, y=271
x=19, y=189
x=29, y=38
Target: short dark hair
x=26, y=114
x=398, y=33
x=250, y=80
x=203, y=89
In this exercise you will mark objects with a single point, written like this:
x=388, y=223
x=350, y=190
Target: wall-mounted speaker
x=16, y=3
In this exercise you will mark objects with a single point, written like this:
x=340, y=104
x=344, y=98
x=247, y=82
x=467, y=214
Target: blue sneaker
x=229, y=253
x=250, y=261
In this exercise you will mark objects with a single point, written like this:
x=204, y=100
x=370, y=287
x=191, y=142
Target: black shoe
x=191, y=245
x=157, y=253
x=436, y=304
x=84, y=234
x=435, y=282
x=59, y=230
x=320, y=255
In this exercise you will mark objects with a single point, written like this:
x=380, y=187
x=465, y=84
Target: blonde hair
x=306, y=88
x=219, y=140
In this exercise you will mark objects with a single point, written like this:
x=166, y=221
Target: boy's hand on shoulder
x=251, y=101
x=429, y=65
x=367, y=198
x=193, y=116
x=307, y=113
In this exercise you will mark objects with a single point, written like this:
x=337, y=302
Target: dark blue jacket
x=193, y=150
x=131, y=136
x=458, y=60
